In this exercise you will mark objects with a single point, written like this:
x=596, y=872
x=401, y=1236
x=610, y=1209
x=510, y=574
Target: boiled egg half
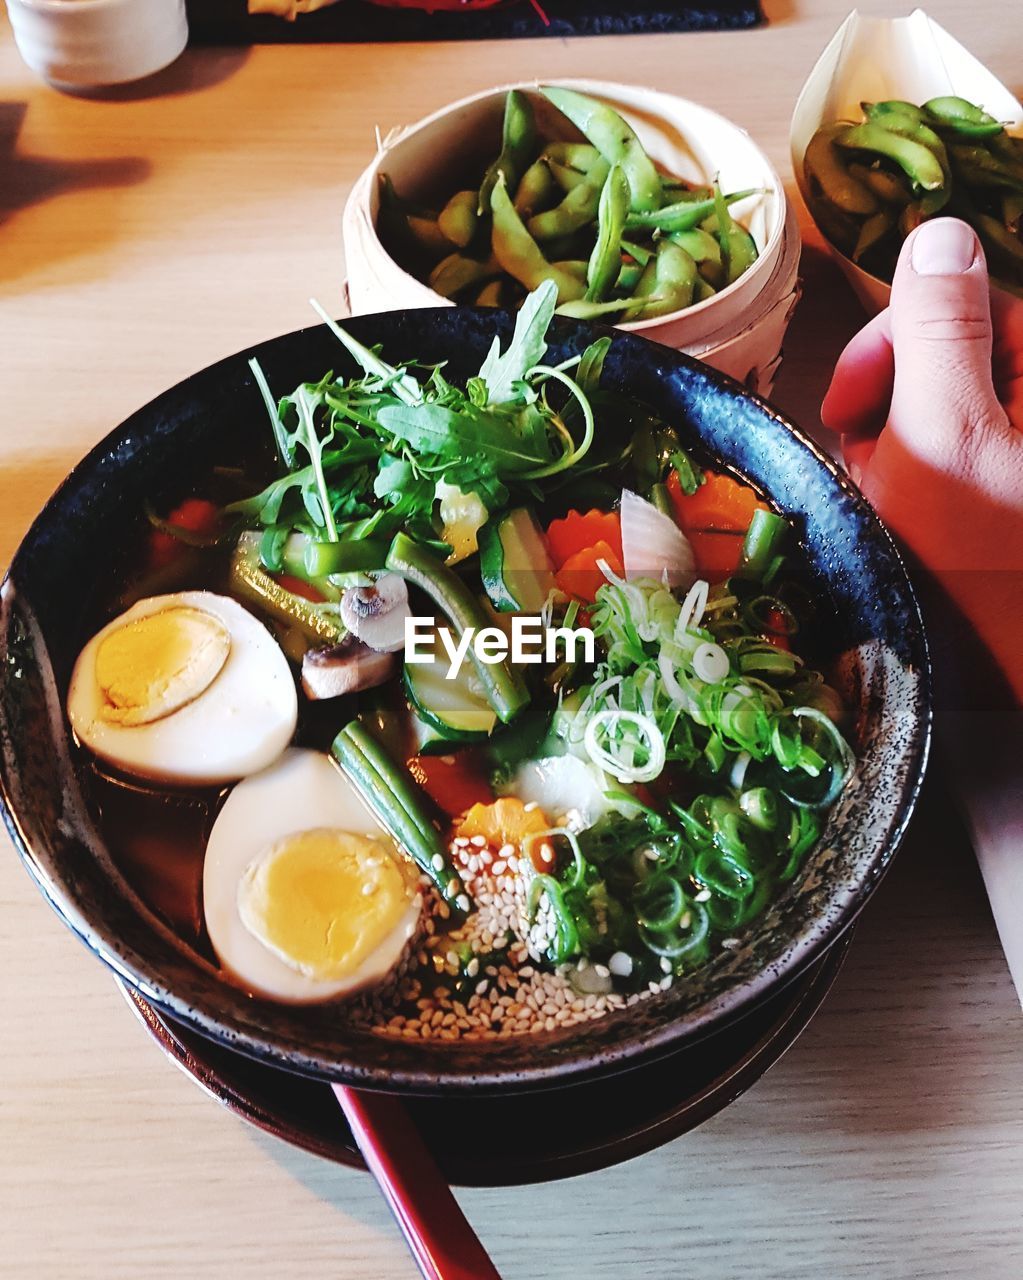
x=306, y=898
x=184, y=689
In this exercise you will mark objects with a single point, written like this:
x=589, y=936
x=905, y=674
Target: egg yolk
x=323, y=901
x=157, y=664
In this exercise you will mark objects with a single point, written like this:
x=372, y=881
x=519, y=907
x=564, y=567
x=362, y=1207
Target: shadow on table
x=194, y=71
x=30, y=180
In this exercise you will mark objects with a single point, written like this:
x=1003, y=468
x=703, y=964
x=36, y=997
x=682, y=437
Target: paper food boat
x=744, y=323
x=873, y=59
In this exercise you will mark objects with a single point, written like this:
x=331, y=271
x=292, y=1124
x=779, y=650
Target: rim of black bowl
x=439, y=1071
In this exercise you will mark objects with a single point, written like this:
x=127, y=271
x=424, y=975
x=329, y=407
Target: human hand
x=928, y=398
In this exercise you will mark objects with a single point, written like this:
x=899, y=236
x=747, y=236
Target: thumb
x=943, y=397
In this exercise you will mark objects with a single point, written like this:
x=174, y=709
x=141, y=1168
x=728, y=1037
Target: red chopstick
x=442, y=1242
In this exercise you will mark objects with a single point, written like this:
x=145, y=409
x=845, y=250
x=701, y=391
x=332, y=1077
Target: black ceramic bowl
x=60, y=575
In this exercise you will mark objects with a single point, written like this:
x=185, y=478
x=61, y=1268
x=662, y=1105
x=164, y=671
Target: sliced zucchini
x=515, y=566
x=455, y=710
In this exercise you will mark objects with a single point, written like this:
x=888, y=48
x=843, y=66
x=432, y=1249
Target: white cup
x=86, y=44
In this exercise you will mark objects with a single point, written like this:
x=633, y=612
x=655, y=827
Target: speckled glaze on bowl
x=875, y=636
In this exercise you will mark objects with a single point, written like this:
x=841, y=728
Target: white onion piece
x=710, y=662
x=653, y=546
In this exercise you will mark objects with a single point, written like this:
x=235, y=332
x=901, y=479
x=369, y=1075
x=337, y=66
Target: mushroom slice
x=344, y=668
x=377, y=613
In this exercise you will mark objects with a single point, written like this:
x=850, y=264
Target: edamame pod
x=604, y=266
x=577, y=210
x=919, y=163
x=873, y=231
x=536, y=191
x=886, y=186
x=827, y=175
x=518, y=141
x=962, y=117
x=682, y=217
x=518, y=253
x=457, y=220
x=674, y=280
x=457, y=272
x=616, y=141
x=568, y=178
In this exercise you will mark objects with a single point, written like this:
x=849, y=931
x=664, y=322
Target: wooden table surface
x=148, y=233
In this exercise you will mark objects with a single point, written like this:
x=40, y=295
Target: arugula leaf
x=394, y=475
x=435, y=429
x=526, y=349
x=405, y=387
x=591, y=366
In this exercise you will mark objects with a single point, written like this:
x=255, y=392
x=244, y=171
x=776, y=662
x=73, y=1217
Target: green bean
x=919, y=163
x=577, y=210
x=962, y=117
x=519, y=254
x=681, y=217
x=518, y=142
x=616, y=141
x=638, y=251
x=628, y=277
x=873, y=231
x=458, y=271
x=827, y=176
x=536, y=190
x=357, y=555
x=457, y=220
x=605, y=262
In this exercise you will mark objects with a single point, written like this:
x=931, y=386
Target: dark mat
x=354, y=22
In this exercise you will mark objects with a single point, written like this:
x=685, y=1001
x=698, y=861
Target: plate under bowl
x=573, y=1130
x=57, y=582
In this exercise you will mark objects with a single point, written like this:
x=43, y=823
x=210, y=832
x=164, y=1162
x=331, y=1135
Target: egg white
x=303, y=790
x=239, y=724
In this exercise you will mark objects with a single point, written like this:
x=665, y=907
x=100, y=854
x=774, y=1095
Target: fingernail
x=946, y=247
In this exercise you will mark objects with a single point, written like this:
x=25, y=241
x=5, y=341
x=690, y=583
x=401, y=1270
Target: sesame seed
x=462, y=902
x=461, y=842
x=478, y=841
x=368, y=889
x=702, y=896
x=531, y=807
x=437, y=862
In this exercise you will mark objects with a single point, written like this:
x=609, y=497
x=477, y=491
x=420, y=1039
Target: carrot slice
x=577, y=531
x=717, y=554
x=508, y=821
x=454, y=783
x=299, y=587
x=580, y=575
x=721, y=503
x=194, y=515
